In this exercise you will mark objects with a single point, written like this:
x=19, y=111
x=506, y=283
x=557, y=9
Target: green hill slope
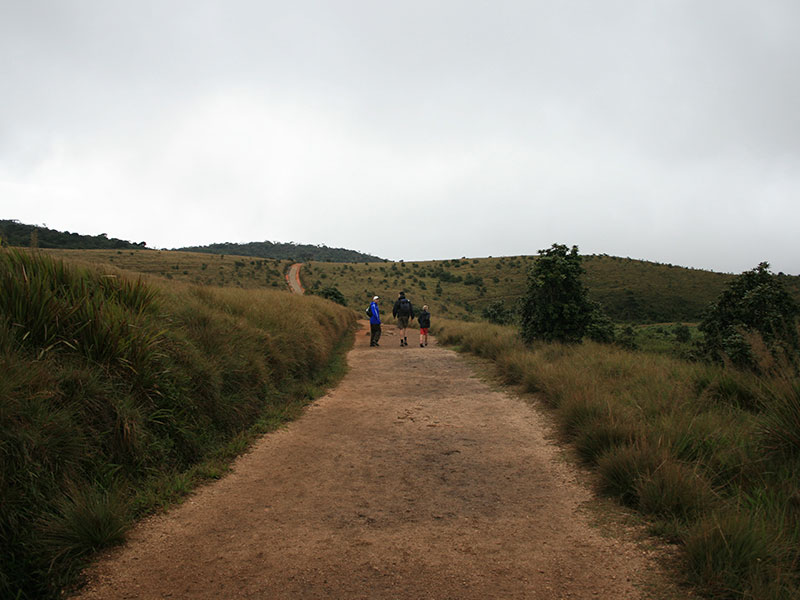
x=630, y=290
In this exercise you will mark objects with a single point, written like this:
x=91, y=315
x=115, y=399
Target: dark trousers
x=375, y=333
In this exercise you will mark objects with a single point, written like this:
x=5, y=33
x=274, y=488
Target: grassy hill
x=630, y=290
x=191, y=267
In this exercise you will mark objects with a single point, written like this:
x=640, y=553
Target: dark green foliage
x=682, y=333
x=556, y=306
x=283, y=251
x=600, y=328
x=755, y=305
x=627, y=338
x=444, y=275
x=332, y=293
x=497, y=313
x=15, y=233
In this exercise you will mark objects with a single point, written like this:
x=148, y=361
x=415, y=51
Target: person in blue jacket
x=374, y=322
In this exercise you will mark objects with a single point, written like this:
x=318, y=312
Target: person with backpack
x=403, y=311
x=424, y=319
x=374, y=322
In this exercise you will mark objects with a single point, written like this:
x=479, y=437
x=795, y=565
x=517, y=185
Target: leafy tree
x=756, y=304
x=556, y=306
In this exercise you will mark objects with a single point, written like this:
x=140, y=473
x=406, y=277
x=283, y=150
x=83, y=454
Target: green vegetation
x=556, y=306
x=630, y=291
x=710, y=455
x=14, y=233
x=755, y=304
x=331, y=293
x=190, y=267
x=120, y=394
x=286, y=251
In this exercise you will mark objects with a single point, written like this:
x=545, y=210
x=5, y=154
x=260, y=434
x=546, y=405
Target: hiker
x=404, y=312
x=374, y=322
x=424, y=320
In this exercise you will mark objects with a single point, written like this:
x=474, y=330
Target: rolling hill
x=632, y=291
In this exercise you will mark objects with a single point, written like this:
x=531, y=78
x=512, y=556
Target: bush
x=497, y=313
x=674, y=491
x=333, y=294
x=600, y=328
x=755, y=305
x=682, y=333
x=729, y=555
x=622, y=468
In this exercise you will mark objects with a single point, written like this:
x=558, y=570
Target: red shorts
x=423, y=331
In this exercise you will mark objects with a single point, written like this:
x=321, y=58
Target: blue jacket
x=375, y=314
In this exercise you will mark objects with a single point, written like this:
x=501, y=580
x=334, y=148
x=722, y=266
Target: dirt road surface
x=412, y=479
x=293, y=279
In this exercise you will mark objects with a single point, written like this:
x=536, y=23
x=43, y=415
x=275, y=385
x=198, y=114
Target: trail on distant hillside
x=293, y=279
x=412, y=479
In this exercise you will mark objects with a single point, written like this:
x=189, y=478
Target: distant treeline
x=286, y=251
x=14, y=233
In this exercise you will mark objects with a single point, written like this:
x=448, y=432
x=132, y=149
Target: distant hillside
x=286, y=251
x=15, y=233
x=632, y=291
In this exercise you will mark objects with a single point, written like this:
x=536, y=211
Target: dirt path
x=293, y=279
x=413, y=479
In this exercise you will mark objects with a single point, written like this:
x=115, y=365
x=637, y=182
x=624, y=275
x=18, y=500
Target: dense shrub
x=755, y=305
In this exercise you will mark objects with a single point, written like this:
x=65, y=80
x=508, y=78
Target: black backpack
x=404, y=308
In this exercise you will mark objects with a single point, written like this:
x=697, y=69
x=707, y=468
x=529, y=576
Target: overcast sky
x=665, y=130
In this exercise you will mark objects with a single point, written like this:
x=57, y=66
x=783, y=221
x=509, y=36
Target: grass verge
x=120, y=394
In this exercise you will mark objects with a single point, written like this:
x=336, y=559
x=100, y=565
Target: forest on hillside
x=286, y=251
x=14, y=233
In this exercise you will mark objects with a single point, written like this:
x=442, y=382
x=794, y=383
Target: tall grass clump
x=709, y=454
x=119, y=394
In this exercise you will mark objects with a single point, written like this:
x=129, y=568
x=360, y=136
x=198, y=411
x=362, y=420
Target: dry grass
x=190, y=267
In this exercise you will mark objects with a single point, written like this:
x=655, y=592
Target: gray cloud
x=661, y=130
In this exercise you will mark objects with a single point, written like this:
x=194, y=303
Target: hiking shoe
x=421, y=346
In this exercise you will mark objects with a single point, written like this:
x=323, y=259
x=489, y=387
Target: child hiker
x=424, y=320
